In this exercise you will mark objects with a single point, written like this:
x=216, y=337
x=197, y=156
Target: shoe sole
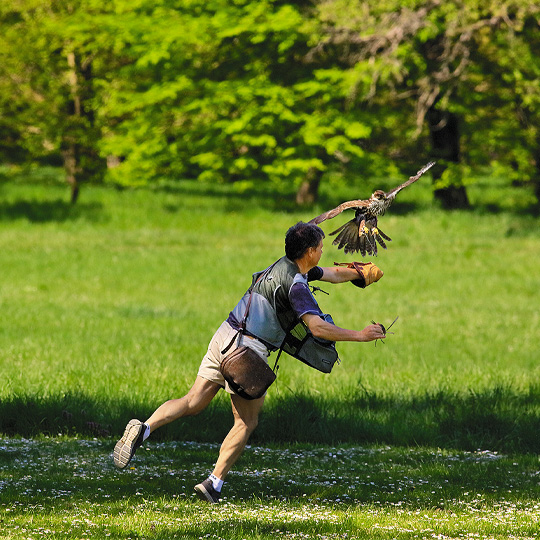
x=203, y=494
x=125, y=447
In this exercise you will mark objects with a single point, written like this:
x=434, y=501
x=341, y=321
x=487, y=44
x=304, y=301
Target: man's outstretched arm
x=325, y=330
x=338, y=274
x=361, y=274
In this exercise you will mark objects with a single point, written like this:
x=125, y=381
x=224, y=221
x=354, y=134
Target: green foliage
x=267, y=90
x=47, y=90
x=233, y=100
x=478, y=60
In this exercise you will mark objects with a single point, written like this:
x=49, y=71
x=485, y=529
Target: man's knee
x=247, y=424
x=246, y=413
x=200, y=395
x=196, y=403
x=181, y=407
x=252, y=424
x=193, y=407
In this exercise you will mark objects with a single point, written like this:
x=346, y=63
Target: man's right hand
x=373, y=332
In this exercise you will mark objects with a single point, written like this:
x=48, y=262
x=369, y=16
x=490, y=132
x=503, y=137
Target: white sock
x=216, y=482
x=146, y=432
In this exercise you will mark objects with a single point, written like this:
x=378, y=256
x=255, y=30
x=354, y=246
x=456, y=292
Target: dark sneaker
x=205, y=491
x=131, y=440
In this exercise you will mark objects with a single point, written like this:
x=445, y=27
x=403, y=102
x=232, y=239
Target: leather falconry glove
x=368, y=272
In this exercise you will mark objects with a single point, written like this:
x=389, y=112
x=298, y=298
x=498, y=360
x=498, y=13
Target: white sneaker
x=131, y=440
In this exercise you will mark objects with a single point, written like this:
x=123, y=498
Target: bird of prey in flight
x=361, y=233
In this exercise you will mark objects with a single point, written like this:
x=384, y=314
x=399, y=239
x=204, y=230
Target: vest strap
x=246, y=313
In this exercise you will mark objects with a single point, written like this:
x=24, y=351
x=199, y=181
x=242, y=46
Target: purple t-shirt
x=300, y=296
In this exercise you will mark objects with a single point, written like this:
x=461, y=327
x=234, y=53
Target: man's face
x=316, y=253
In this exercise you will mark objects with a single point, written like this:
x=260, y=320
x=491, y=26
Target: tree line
x=130, y=91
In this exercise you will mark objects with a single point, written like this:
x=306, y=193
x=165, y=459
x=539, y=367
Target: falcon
x=361, y=233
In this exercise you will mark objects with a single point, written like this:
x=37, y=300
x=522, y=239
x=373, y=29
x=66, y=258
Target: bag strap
x=287, y=334
x=276, y=367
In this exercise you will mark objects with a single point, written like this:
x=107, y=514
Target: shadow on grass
x=49, y=211
x=497, y=419
x=232, y=199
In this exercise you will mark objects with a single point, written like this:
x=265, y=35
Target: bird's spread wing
x=335, y=211
x=412, y=179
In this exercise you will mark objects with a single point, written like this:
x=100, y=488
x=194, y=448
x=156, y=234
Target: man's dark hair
x=300, y=238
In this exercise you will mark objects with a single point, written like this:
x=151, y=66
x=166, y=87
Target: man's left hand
x=368, y=272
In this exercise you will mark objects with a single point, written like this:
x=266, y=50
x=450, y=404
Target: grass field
x=60, y=488
x=108, y=307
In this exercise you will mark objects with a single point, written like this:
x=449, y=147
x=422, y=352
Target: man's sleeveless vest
x=270, y=312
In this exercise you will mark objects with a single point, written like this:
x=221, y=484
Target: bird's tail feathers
x=372, y=244
x=348, y=238
x=339, y=229
x=380, y=240
x=353, y=240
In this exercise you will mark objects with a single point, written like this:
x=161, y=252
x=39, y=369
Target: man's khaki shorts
x=209, y=368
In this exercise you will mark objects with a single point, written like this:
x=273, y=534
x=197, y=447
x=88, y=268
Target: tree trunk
x=70, y=152
x=308, y=192
x=69, y=156
x=444, y=134
x=81, y=158
x=536, y=179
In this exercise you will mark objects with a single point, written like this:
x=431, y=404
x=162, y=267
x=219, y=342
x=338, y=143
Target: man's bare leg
x=196, y=400
x=246, y=417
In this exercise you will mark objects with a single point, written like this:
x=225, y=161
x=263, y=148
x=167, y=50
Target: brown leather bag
x=247, y=373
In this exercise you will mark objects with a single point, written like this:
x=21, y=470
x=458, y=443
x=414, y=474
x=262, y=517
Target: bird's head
x=378, y=195
x=378, y=198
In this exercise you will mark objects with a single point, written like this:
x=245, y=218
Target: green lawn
x=62, y=488
x=108, y=307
